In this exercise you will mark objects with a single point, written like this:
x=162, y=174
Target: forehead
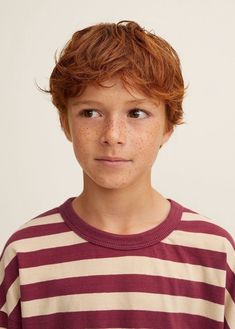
x=113, y=85
x=113, y=89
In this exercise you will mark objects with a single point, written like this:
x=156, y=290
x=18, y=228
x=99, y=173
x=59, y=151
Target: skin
x=120, y=200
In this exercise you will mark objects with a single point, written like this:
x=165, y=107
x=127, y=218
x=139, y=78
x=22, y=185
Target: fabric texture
x=59, y=272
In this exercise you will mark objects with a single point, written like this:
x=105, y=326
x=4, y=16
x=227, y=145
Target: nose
x=113, y=132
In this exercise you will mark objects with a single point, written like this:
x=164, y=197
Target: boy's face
x=112, y=122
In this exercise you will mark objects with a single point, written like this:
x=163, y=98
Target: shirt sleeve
x=230, y=287
x=10, y=311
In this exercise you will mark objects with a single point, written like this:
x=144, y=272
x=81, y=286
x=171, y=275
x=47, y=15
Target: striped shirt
x=59, y=272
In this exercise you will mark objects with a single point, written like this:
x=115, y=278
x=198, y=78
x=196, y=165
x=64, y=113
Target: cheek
x=147, y=146
x=81, y=140
x=147, y=142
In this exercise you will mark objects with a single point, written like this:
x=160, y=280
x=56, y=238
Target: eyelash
x=83, y=112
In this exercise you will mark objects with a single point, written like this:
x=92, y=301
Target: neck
x=131, y=209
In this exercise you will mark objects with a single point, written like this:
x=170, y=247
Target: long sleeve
x=230, y=288
x=10, y=312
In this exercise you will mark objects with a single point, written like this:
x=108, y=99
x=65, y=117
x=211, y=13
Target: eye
x=87, y=113
x=135, y=110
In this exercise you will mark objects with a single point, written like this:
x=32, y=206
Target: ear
x=167, y=135
x=64, y=123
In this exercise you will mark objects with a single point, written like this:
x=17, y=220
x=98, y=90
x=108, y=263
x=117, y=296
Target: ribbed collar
x=121, y=241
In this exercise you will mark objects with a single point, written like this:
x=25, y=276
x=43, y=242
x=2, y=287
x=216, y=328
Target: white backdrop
x=38, y=167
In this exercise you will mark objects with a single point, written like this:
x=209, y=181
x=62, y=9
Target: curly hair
x=141, y=59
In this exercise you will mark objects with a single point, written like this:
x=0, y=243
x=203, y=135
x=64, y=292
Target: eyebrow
x=93, y=102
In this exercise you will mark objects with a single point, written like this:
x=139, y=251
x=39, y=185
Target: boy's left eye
x=139, y=110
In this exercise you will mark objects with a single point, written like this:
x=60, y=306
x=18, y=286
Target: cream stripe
x=1, y=276
x=203, y=241
x=12, y=297
x=2, y=271
x=37, y=243
x=123, y=301
x=188, y=216
x=123, y=265
x=229, y=310
x=8, y=255
x=51, y=219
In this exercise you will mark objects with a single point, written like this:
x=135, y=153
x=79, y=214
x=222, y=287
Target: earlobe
x=65, y=126
x=166, y=137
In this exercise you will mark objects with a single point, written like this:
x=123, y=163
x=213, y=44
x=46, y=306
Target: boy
x=119, y=255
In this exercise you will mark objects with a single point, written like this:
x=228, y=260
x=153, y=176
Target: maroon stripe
x=3, y=319
x=190, y=255
x=17, y=234
x=48, y=213
x=230, y=283
x=13, y=321
x=16, y=316
x=11, y=273
x=85, y=250
x=197, y=226
x=120, y=319
x=122, y=283
x=226, y=326
x=189, y=210
x=40, y=230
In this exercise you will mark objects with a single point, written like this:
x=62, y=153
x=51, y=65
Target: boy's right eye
x=87, y=113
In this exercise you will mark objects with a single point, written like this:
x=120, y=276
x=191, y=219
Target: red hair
x=141, y=59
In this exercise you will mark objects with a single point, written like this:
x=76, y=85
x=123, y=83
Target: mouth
x=112, y=159
x=113, y=163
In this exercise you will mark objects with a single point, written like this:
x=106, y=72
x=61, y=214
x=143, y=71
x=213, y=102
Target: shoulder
x=199, y=231
x=32, y=232
x=200, y=237
x=198, y=223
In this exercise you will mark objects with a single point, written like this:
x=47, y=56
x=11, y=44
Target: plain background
x=38, y=168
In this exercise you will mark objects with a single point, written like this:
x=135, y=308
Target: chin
x=112, y=183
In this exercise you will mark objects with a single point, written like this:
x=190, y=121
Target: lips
x=112, y=159
x=113, y=163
